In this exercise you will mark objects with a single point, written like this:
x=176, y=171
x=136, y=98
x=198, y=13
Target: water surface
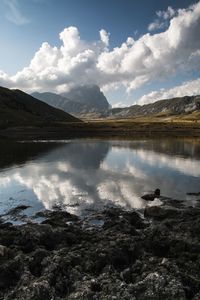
x=83, y=175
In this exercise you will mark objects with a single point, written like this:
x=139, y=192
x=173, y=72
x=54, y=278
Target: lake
x=85, y=175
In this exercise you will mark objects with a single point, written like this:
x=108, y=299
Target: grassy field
x=160, y=118
x=154, y=127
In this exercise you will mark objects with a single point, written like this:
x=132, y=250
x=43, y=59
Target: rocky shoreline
x=113, y=254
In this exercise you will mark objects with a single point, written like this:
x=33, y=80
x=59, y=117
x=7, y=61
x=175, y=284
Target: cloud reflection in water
x=87, y=174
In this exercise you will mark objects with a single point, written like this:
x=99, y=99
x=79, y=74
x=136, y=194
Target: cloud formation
x=14, y=14
x=162, y=19
x=134, y=63
x=189, y=88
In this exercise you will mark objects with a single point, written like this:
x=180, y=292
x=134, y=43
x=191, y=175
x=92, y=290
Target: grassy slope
x=19, y=108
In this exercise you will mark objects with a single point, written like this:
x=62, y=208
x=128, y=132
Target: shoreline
x=113, y=254
x=102, y=129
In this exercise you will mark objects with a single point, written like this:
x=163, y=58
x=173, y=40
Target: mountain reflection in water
x=86, y=174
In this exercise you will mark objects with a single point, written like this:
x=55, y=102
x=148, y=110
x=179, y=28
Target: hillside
x=17, y=107
x=79, y=101
x=174, y=106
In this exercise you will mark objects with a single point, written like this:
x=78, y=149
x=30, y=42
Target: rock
x=36, y=290
x=10, y=272
x=126, y=275
x=127, y=258
x=17, y=209
x=194, y=194
x=157, y=286
x=95, y=286
x=160, y=213
x=35, y=264
x=3, y=251
x=136, y=220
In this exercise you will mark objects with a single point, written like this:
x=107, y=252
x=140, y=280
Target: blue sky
x=26, y=24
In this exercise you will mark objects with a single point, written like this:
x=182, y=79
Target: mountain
x=60, y=102
x=89, y=95
x=80, y=100
x=17, y=107
x=174, y=106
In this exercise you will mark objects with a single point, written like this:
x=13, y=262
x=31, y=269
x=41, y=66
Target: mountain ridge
x=79, y=105
x=79, y=100
x=173, y=106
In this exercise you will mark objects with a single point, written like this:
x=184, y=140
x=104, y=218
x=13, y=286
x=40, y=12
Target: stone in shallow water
x=17, y=209
x=96, y=222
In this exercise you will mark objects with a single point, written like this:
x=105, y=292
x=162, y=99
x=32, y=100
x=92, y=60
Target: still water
x=83, y=175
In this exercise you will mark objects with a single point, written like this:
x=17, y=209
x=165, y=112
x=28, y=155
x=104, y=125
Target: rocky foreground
x=114, y=254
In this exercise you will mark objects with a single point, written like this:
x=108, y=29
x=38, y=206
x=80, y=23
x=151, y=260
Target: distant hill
x=174, y=106
x=17, y=107
x=79, y=101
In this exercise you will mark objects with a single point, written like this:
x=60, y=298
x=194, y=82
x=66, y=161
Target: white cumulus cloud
x=162, y=19
x=156, y=25
x=169, y=13
x=104, y=35
x=132, y=64
x=186, y=89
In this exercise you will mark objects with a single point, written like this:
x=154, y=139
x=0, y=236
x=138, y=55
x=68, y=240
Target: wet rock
x=56, y=218
x=59, y=214
x=36, y=290
x=157, y=286
x=17, y=209
x=136, y=220
x=126, y=258
x=36, y=259
x=10, y=272
x=4, y=251
x=31, y=235
x=160, y=213
x=194, y=194
x=126, y=275
x=95, y=286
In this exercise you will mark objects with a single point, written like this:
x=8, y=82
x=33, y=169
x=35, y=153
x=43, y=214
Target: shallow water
x=85, y=175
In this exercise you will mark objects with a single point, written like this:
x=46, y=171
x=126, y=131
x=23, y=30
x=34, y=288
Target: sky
x=136, y=51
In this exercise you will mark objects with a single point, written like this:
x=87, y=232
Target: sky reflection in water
x=90, y=174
